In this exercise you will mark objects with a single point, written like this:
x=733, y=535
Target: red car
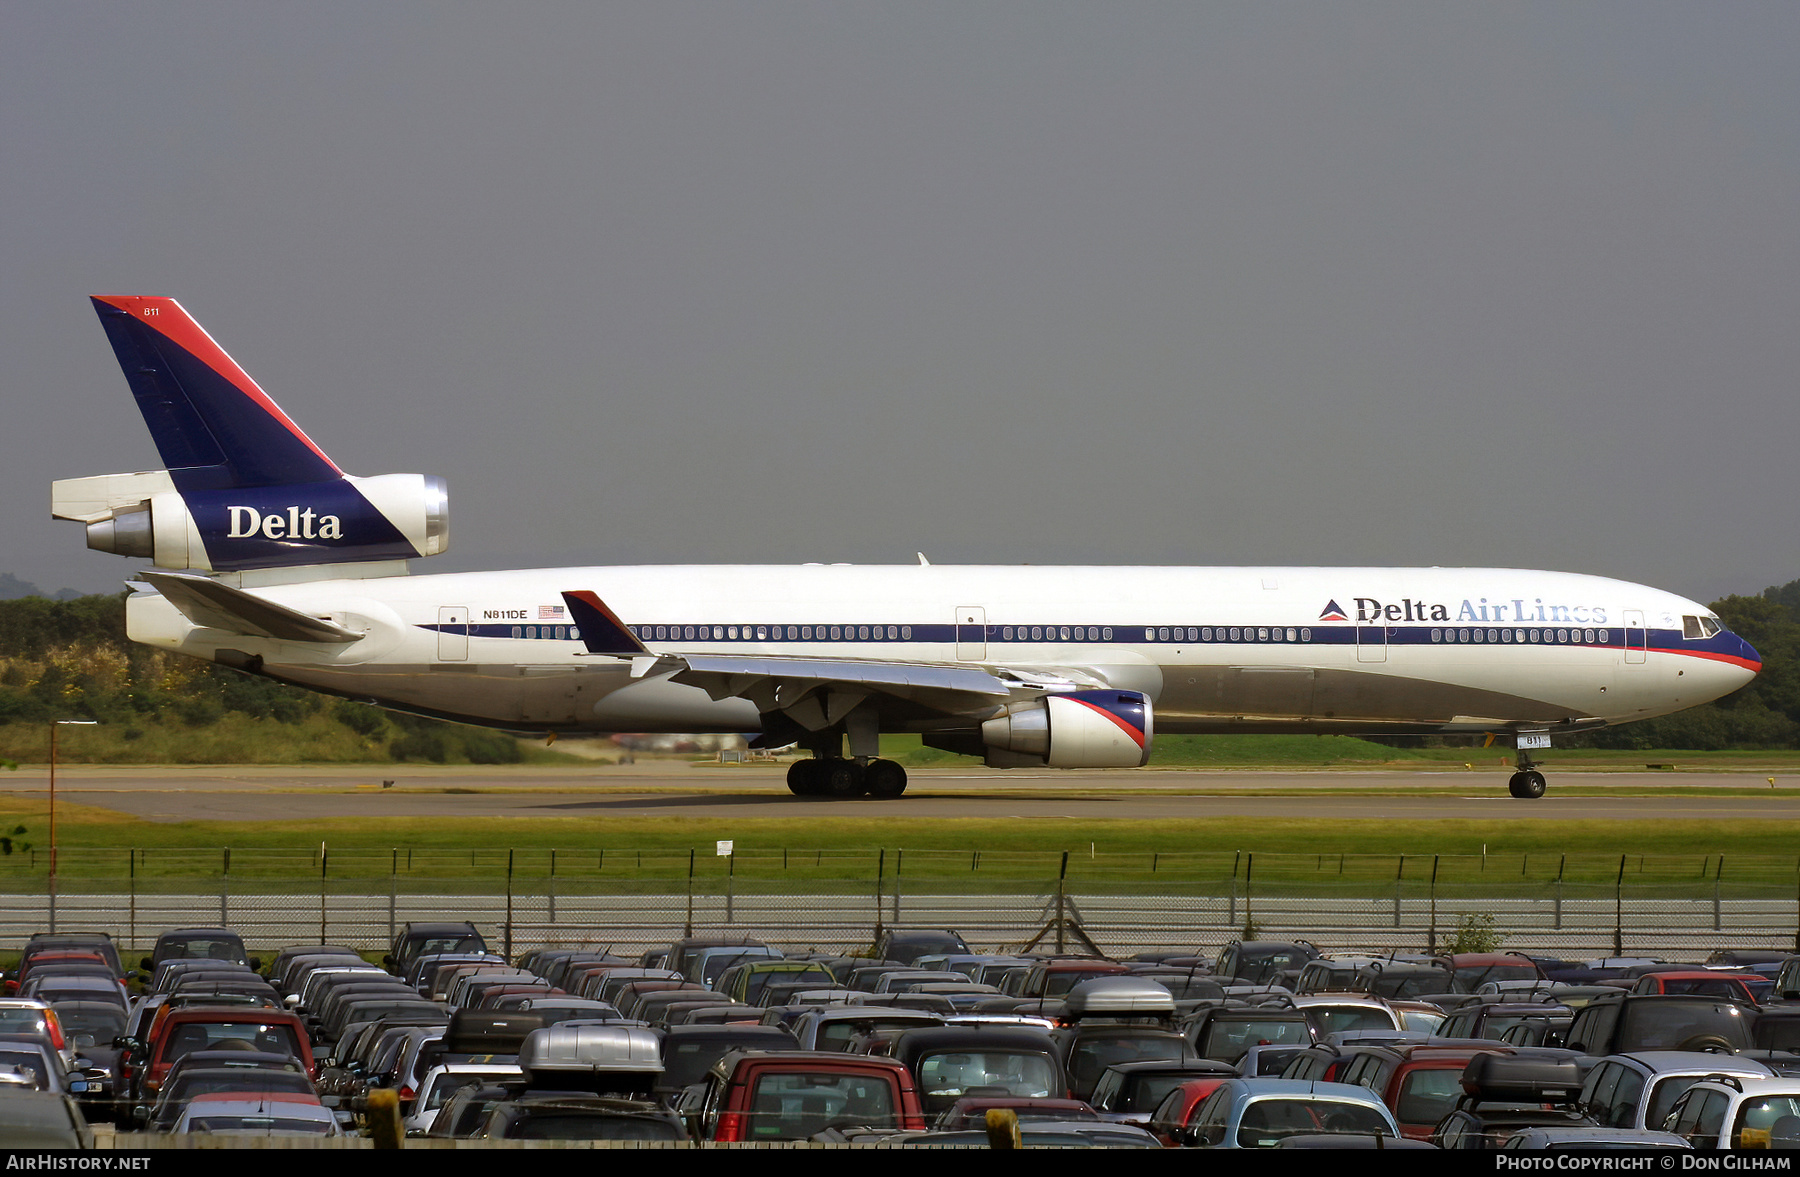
x=200, y=1027
x=1172, y=1118
x=1700, y=983
x=794, y=1095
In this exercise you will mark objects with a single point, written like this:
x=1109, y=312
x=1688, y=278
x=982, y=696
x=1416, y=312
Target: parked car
x=1637, y=1089
x=1632, y=1022
x=1738, y=1114
x=751, y=1096
x=247, y=1114
x=1259, y=1113
x=949, y=1062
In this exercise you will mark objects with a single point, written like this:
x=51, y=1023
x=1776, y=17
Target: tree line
x=70, y=659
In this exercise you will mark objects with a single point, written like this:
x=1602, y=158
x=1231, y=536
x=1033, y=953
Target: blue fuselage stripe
x=1341, y=634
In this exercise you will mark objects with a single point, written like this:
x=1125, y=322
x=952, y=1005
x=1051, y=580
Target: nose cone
x=1734, y=663
x=1746, y=654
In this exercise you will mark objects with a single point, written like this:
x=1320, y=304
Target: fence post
x=688, y=927
x=1619, y=910
x=225, y=889
x=393, y=890
x=1249, y=912
x=1062, y=875
x=324, y=860
x=730, y=885
x=899, y=862
x=131, y=918
x=1231, y=907
x=880, y=875
x=1399, y=874
x=508, y=936
x=1431, y=930
x=1559, y=885
x=550, y=889
x=1716, y=882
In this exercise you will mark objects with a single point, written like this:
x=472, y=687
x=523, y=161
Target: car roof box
x=1115, y=997
x=1522, y=1078
x=587, y=1047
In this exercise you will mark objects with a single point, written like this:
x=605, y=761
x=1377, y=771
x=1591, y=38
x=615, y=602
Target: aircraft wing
x=817, y=692
x=208, y=602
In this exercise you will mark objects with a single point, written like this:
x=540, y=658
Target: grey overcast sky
x=1008, y=282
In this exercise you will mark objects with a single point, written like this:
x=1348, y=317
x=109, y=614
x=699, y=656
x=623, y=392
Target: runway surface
x=245, y=793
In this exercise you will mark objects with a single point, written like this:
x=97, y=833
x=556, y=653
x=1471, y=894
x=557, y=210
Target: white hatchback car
x=1723, y=1112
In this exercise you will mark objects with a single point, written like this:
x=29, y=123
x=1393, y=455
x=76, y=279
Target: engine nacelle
x=341, y=521
x=1081, y=729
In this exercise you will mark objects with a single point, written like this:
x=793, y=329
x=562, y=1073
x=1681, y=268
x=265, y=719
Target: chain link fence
x=1675, y=906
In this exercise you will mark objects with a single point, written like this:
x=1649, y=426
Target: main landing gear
x=834, y=776
x=1528, y=782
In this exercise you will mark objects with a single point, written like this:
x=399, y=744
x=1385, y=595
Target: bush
x=418, y=746
x=1475, y=933
x=365, y=720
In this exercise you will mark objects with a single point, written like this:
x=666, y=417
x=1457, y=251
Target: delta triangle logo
x=1333, y=612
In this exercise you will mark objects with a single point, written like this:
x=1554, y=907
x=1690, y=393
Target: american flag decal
x=551, y=612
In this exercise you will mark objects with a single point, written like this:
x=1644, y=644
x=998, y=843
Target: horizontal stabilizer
x=207, y=602
x=601, y=629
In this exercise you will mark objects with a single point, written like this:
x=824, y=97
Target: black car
x=416, y=939
x=574, y=1117
x=908, y=945
x=1264, y=962
x=218, y=944
x=1642, y=1021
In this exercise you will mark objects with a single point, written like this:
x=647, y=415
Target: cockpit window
x=1695, y=628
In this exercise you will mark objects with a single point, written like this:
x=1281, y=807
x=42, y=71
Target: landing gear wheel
x=884, y=779
x=843, y=778
x=1527, y=784
x=806, y=778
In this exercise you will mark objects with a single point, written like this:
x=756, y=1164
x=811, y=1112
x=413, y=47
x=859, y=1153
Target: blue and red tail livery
x=251, y=489
x=600, y=627
x=211, y=423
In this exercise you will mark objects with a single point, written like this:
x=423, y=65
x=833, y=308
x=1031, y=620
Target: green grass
x=99, y=848
x=1348, y=752
x=234, y=738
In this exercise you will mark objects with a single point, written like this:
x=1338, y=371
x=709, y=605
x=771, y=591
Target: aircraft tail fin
x=601, y=629
x=214, y=427
x=245, y=488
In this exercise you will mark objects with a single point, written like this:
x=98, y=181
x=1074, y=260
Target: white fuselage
x=1215, y=649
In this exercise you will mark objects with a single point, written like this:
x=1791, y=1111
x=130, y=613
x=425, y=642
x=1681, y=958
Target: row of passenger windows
x=779, y=633
x=548, y=631
x=1560, y=636
x=1047, y=633
x=1207, y=633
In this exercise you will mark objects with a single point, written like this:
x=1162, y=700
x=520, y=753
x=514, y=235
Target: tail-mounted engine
x=1081, y=729
x=340, y=521
x=244, y=487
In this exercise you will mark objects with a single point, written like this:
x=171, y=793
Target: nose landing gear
x=1528, y=783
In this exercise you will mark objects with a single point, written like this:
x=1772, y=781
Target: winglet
x=601, y=629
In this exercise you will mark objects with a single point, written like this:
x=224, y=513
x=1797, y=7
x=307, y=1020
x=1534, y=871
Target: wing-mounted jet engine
x=1080, y=729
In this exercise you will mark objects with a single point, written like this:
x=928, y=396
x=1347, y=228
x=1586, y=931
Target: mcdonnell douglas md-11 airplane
x=268, y=558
